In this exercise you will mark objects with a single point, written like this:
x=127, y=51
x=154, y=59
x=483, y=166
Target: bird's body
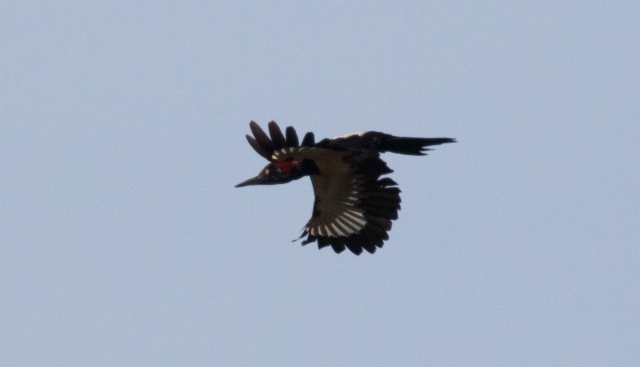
x=353, y=206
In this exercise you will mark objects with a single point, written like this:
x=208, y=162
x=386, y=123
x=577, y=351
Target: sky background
x=123, y=241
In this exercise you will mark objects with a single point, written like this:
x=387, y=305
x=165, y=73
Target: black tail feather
x=411, y=146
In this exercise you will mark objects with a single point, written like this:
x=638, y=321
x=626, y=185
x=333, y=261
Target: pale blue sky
x=124, y=243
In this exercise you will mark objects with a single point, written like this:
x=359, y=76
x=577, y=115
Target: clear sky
x=124, y=243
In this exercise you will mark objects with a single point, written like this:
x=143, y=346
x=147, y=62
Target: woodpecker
x=353, y=205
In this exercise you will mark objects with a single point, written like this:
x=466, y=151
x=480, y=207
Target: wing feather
x=354, y=207
x=258, y=148
x=261, y=137
x=277, y=138
x=276, y=147
x=292, y=137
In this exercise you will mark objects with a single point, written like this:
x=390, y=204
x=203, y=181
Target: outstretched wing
x=266, y=146
x=353, y=206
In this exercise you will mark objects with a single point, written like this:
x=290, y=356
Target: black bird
x=353, y=206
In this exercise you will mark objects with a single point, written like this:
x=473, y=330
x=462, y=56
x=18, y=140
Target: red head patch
x=284, y=166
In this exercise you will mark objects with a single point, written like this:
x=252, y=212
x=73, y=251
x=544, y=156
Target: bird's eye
x=266, y=171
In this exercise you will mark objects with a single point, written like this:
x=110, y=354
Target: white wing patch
x=338, y=189
x=350, y=221
x=352, y=134
x=280, y=152
x=285, y=153
x=339, y=231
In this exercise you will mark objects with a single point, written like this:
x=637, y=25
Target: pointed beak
x=252, y=181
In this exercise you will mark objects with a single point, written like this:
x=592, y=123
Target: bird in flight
x=353, y=205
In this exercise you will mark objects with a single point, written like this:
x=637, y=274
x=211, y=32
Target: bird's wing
x=266, y=146
x=353, y=206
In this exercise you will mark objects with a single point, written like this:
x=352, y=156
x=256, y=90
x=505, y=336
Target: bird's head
x=276, y=173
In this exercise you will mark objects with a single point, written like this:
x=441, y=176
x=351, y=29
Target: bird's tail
x=411, y=146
